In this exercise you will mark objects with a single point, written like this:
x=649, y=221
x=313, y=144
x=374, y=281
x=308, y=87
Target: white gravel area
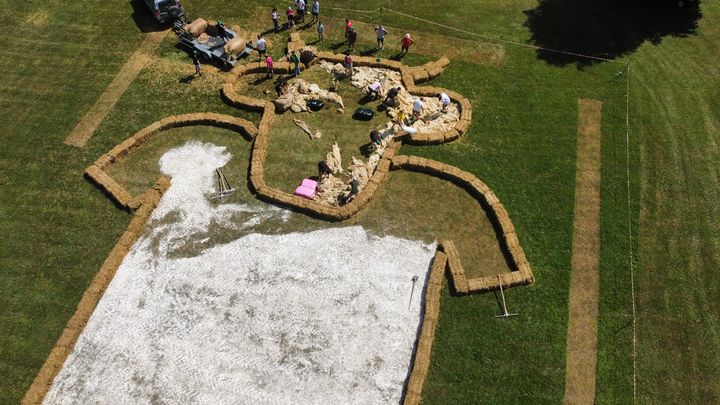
x=323, y=317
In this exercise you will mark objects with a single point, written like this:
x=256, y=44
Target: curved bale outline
x=98, y=175
x=407, y=75
x=446, y=256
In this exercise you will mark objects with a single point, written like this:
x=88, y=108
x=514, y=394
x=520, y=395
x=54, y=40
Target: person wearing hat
x=405, y=44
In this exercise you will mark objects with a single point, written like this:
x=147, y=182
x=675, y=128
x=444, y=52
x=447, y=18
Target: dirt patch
x=97, y=113
x=37, y=18
x=581, y=365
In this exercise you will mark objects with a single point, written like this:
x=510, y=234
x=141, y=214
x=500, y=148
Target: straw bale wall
x=97, y=171
x=421, y=360
x=65, y=344
x=446, y=257
x=521, y=274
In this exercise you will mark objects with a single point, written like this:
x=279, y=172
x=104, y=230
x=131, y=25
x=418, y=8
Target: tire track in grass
x=97, y=113
x=581, y=366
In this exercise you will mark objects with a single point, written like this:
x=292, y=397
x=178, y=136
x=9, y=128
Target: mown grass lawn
x=57, y=228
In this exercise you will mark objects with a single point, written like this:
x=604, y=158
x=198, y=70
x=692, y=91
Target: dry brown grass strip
x=97, y=113
x=580, y=378
x=65, y=344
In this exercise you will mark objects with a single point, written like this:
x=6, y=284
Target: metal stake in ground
x=505, y=313
x=414, y=279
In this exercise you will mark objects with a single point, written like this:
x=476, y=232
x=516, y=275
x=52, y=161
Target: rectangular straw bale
x=399, y=161
x=503, y=219
x=451, y=134
x=481, y=284
x=103, y=161
x=462, y=126
x=419, y=74
x=383, y=166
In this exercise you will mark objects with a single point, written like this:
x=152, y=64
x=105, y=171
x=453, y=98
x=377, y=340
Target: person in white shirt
x=260, y=45
x=315, y=11
x=445, y=100
x=381, y=32
x=301, y=9
x=417, y=107
x=375, y=89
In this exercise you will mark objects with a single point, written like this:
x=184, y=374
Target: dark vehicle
x=165, y=10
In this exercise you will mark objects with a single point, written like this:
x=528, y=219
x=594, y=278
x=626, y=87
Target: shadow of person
x=606, y=28
x=187, y=79
x=370, y=51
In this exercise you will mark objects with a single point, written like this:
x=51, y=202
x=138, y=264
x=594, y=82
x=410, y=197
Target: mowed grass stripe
x=87, y=126
x=585, y=276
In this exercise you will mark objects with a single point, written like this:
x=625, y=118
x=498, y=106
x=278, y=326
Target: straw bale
x=450, y=135
x=415, y=161
x=462, y=126
x=392, y=64
x=399, y=161
x=197, y=27
x=482, y=284
x=104, y=161
x=419, y=74
x=490, y=198
x=434, y=71
x=383, y=166
x=406, y=75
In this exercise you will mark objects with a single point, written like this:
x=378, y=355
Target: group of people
x=297, y=14
x=351, y=36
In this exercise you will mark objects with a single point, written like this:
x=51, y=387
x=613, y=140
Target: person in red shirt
x=405, y=44
x=348, y=26
x=291, y=17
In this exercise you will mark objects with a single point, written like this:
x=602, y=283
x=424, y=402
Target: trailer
x=208, y=42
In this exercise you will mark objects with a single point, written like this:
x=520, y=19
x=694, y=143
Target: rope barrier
x=485, y=37
x=630, y=234
x=627, y=144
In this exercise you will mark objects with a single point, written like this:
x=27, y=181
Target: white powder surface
x=323, y=317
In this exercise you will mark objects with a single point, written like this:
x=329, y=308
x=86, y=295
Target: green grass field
x=57, y=228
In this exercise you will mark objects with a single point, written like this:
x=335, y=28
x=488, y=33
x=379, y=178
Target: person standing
x=348, y=26
x=351, y=39
x=316, y=11
x=295, y=58
x=349, y=64
x=290, y=17
x=381, y=32
x=196, y=63
x=261, y=46
x=301, y=9
x=269, y=63
x=321, y=31
x=276, y=23
x=405, y=44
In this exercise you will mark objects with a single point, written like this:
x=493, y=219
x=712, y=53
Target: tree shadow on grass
x=606, y=28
